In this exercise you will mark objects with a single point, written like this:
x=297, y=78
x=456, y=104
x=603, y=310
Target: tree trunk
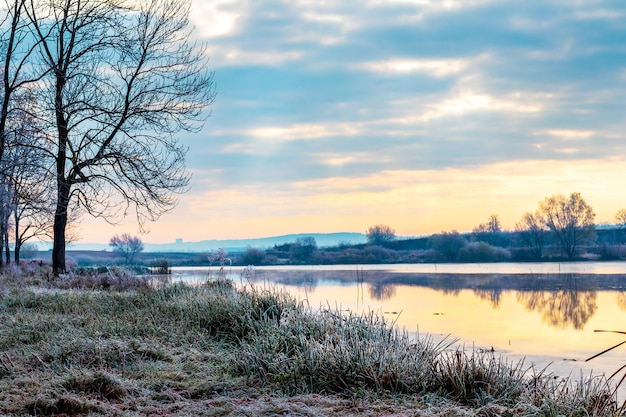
x=63, y=187
x=16, y=252
x=60, y=222
x=2, y=234
x=7, y=249
x=18, y=241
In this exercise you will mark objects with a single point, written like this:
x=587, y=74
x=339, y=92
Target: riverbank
x=114, y=345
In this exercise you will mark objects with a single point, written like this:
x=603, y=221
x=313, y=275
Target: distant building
x=179, y=241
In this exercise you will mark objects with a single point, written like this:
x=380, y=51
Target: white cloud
x=224, y=56
x=599, y=14
x=467, y=102
x=435, y=5
x=216, y=18
x=339, y=160
x=304, y=131
x=570, y=134
x=435, y=68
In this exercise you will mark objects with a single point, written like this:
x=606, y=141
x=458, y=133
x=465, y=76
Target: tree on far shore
x=380, y=234
x=531, y=231
x=570, y=219
x=448, y=244
x=127, y=245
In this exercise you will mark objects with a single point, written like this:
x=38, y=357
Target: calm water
x=543, y=312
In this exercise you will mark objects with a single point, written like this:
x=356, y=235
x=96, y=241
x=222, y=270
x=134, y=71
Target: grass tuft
x=66, y=405
x=478, y=378
x=100, y=383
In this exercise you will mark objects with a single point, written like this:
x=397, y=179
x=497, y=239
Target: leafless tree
x=24, y=183
x=380, y=234
x=127, y=245
x=119, y=79
x=302, y=250
x=570, y=219
x=490, y=232
x=532, y=233
x=5, y=215
x=16, y=52
x=29, y=183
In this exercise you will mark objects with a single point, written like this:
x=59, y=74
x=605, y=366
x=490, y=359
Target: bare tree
x=570, y=219
x=22, y=168
x=127, y=245
x=532, y=233
x=620, y=220
x=5, y=216
x=302, y=250
x=119, y=80
x=30, y=185
x=380, y=234
x=490, y=232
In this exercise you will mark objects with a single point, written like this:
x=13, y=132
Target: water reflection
x=494, y=296
x=574, y=304
x=382, y=291
x=562, y=300
x=621, y=300
x=547, y=318
x=563, y=308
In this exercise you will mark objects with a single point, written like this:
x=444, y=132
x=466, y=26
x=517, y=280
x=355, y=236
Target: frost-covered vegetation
x=218, y=349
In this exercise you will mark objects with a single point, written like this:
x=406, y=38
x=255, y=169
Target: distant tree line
x=562, y=228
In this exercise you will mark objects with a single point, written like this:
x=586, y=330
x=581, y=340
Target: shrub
x=253, y=256
x=160, y=267
x=483, y=252
x=449, y=244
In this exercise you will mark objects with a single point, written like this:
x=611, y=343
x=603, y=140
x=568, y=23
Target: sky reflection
x=546, y=319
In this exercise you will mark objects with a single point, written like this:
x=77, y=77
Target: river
x=543, y=313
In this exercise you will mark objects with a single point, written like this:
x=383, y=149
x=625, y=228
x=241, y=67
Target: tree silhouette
x=127, y=245
x=116, y=82
x=570, y=219
x=532, y=231
x=380, y=234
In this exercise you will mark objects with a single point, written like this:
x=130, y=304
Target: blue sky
x=423, y=115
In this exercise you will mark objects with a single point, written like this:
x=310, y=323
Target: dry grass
x=215, y=350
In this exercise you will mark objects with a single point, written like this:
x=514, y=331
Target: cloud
x=570, y=134
x=415, y=202
x=216, y=18
x=435, y=68
x=345, y=114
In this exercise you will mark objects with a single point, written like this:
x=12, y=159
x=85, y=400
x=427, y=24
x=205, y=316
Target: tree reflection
x=382, y=291
x=494, y=296
x=561, y=308
x=621, y=300
x=308, y=281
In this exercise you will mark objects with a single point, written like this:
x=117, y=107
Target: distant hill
x=233, y=245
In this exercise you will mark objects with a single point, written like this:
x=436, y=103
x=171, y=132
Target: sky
x=424, y=115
